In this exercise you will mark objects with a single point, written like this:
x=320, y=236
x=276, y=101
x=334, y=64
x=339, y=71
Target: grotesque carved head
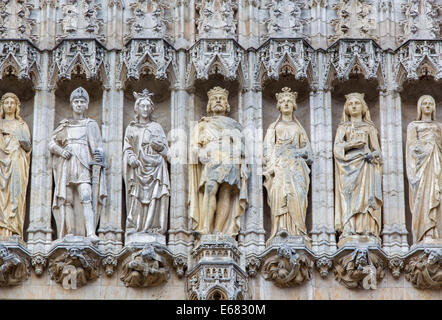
x=14, y=99
x=218, y=102
x=4, y=252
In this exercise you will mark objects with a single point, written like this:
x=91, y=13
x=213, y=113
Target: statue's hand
x=157, y=146
x=66, y=154
x=133, y=162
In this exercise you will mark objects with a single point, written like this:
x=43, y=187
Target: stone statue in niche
x=358, y=174
x=218, y=173
x=15, y=153
x=287, y=153
x=424, y=159
x=145, y=172
x=78, y=165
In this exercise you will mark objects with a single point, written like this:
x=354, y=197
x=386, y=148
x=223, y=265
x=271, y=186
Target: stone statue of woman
x=15, y=152
x=358, y=173
x=424, y=159
x=145, y=172
x=287, y=153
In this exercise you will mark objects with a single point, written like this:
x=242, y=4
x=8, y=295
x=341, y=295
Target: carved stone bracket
x=73, y=267
x=396, y=265
x=418, y=58
x=215, y=57
x=180, y=265
x=252, y=266
x=110, y=264
x=289, y=267
x=144, y=267
x=324, y=265
x=424, y=269
x=356, y=57
x=14, y=266
x=284, y=56
x=361, y=268
x=147, y=56
x=217, y=274
x=39, y=263
x=86, y=57
x=19, y=58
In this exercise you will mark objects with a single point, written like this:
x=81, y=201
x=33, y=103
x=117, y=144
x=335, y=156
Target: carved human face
x=144, y=108
x=9, y=105
x=354, y=107
x=286, y=105
x=427, y=106
x=218, y=103
x=79, y=105
x=3, y=252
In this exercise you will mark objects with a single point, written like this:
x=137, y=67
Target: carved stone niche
x=424, y=269
x=14, y=266
x=217, y=274
x=73, y=267
x=362, y=268
x=144, y=267
x=288, y=266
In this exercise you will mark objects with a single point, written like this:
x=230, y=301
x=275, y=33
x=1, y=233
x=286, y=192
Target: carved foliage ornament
x=144, y=268
x=288, y=268
x=359, y=269
x=13, y=267
x=424, y=271
x=285, y=18
x=15, y=21
x=74, y=268
x=216, y=18
x=421, y=19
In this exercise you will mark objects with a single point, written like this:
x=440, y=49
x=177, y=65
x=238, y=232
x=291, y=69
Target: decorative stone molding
x=39, y=263
x=180, y=265
x=424, y=270
x=148, y=19
x=359, y=269
x=85, y=57
x=14, y=267
x=74, y=267
x=252, y=266
x=421, y=19
x=282, y=57
x=19, y=58
x=396, y=265
x=110, y=264
x=144, y=268
x=323, y=265
x=15, y=21
x=284, y=20
x=418, y=58
x=217, y=274
x=356, y=57
x=215, y=57
x=216, y=18
x=80, y=18
x=288, y=268
x=355, y=19
x=147, y=56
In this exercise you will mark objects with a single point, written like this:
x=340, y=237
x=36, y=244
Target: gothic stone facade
x=391, y=50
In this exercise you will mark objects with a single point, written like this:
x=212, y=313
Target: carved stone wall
x=391, y=50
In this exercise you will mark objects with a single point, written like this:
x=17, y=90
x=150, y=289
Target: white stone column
x=180, y=240
x=394, y=231
x=110, y=232
x=322, y=179
x=39, y=230
x=318, y=24
x=252, y=234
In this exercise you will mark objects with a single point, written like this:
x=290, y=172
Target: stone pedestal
x=359, y=240
x=216, y=274
x=290, y=240
x=144, y=238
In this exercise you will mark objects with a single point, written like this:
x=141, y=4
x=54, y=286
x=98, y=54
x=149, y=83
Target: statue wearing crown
x=358, y=174
x=218, y=173
x=145, y=173
x=78, y=166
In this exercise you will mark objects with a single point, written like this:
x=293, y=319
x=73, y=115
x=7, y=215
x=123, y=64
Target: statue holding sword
x=78, y=166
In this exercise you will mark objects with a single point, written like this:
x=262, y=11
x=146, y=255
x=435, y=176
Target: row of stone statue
x=218, y=173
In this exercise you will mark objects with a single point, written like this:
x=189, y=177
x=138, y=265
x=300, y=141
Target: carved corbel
x=288, y=267
x=109, y=263
x=252, y=266
x=424, y=270
x=39, y=263
x=359, y=269
x=324, y=265
x=74, y=268
x=14, y=268
x=180, y=265
x=396, y=266
x=145, y=268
